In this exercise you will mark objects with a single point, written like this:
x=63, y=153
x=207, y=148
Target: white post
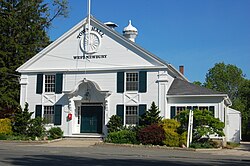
x=190, y=128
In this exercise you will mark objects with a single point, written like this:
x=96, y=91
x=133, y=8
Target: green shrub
x=199, y=145
x=5, y=126
x=55, y=133
x=122, y=137
x=204, y=143
x=21, y=121
x=3, y=136
x=152, y=134
x=183, y=138
x=170, y=127
x=114, y=124
x=36, y=128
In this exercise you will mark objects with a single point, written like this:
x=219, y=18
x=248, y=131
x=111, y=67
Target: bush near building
x=5, y=126
x=125, y=136
x=55, y=133
x=23, y=127
x=152, y=134
x=170, y=127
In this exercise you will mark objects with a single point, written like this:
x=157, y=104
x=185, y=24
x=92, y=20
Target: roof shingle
x=181, y=87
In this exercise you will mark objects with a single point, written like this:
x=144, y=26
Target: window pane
x=49, y=83
x=132, y=81
x=49, y=114
x=131, y=115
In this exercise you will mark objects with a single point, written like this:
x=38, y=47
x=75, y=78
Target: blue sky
x=193, y=33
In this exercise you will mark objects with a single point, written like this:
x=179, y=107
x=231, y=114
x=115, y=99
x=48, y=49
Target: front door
x=91, y=119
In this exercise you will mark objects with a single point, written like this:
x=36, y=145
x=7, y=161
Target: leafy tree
x=22, y=34
x=225, y=78
x=151, y=116
x=230, y=80
x=204, y=124
x=197, y=83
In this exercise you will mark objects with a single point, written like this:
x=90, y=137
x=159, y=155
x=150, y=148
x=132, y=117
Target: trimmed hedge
x=122, y=137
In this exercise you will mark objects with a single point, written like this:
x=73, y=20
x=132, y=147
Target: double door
x=91, y=119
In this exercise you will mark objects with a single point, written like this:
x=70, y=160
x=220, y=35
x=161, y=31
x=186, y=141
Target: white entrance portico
x=88, y=105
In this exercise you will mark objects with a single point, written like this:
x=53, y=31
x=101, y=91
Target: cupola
x=130, y=32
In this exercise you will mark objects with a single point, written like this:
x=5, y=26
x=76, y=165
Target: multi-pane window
x=49, y=114
x=132, y=81
x=50, y=83
x=178, y=109
x=131, y=115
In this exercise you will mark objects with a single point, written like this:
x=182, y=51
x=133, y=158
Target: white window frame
x=193, y=105
x=134, y=79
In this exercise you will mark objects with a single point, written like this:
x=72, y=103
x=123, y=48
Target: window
x=176, y=110
x=179, y=109
x=50, y=83
x=203, y=108
x=132, y=81
x=49, y=114
x=131, y=115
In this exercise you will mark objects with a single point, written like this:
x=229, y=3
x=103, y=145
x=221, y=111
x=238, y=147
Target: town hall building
x=93, y=72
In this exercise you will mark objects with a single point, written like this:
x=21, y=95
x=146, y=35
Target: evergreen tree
x=151, y=116
x=22, y=121
x=22, y=34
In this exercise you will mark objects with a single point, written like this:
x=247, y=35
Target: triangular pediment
x=114, y=51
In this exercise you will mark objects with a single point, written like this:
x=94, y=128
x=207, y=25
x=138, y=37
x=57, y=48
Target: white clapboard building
x=84, y=77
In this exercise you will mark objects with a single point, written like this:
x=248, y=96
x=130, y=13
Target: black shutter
x=142, y=81
x=120, y=82
x=173, y=112
x=211, y=109
x=39, y=83
x=58, y=115
x=142, y=109
x=59, y=83
x=120, y=112
x=38, y=112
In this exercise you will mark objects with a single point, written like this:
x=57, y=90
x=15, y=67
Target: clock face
x=90, y=42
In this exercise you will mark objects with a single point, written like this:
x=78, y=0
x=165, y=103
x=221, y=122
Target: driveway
x=85, y=152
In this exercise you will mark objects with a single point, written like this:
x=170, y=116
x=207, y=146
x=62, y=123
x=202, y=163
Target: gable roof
x=181, y=87
x=110, y=31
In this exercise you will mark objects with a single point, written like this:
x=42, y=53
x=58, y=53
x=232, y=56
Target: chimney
x=181, y=69
x=111, y=25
